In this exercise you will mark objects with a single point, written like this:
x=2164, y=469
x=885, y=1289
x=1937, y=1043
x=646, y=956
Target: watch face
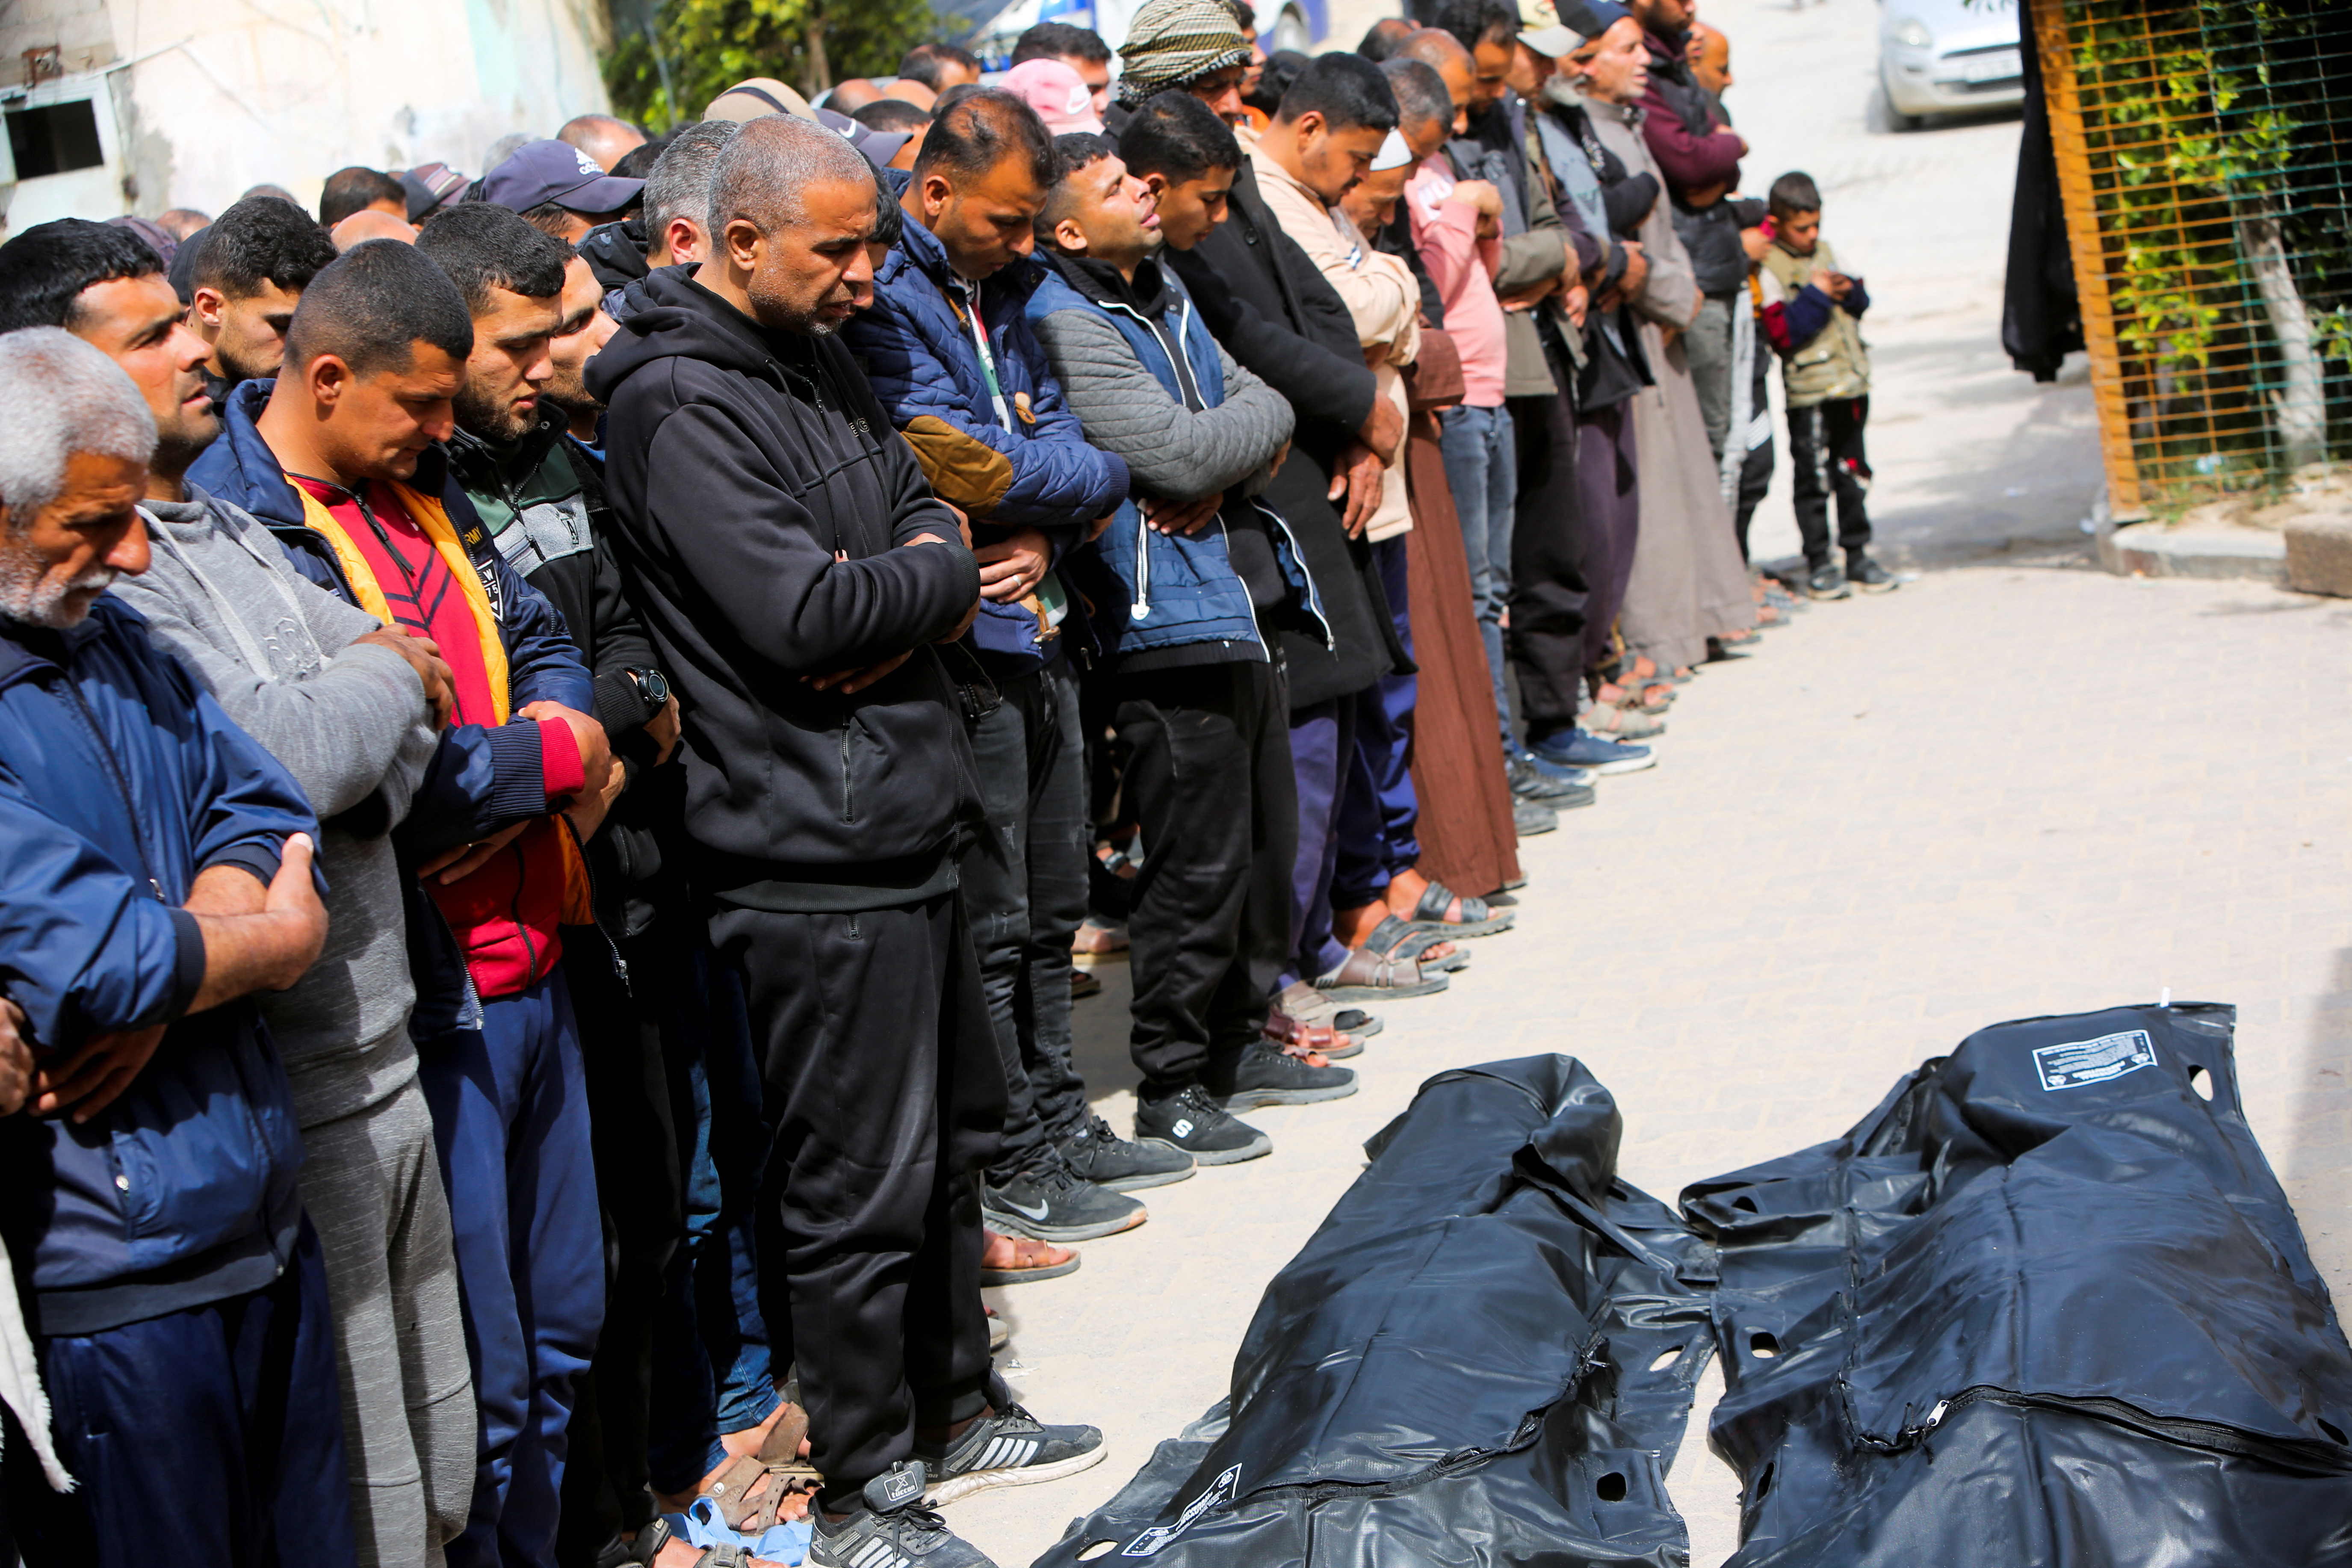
x=656, y=686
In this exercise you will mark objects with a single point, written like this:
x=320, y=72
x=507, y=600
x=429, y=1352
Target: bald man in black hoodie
x=796, y=575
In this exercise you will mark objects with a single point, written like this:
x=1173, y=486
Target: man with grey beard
x=159, y=876
x=349, y=707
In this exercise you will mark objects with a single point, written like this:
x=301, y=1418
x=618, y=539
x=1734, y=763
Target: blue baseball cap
x=539, y=172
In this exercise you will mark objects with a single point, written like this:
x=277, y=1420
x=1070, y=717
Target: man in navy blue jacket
x=158, y=875
x=947, y=348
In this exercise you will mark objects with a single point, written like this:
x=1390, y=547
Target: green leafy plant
x=662, y=70
x=2209, y=122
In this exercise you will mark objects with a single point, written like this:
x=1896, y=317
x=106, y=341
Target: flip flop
x=724, y=1546
x=1478, y=918
x=1023, y=1247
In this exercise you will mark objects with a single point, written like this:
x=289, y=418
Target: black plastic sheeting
x=1484, y=1356
x=2046, y=1305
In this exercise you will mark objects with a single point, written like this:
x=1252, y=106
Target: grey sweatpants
x=373, y=1187
x=1707, y=345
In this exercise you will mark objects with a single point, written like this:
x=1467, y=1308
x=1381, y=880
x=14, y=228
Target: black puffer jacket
x=1277, y=314
x=760, y=499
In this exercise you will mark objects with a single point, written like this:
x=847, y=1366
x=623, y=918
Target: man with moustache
x=350, y=706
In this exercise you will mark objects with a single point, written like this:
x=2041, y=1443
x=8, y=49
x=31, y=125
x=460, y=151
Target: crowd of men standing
x=563, y=739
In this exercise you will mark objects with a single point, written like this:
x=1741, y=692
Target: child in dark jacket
x=1812, y=313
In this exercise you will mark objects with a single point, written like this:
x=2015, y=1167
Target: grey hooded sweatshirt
x=274, y=651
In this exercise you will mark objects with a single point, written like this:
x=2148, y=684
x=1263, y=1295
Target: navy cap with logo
x=539, y=172
x=879, y=146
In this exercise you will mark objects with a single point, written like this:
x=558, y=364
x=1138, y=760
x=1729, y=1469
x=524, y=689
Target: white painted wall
x=219, y=95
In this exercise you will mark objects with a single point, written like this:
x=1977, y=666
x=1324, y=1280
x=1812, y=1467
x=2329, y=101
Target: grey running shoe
x=893, y=1529
x=1101, y=1156
x=1192, y=1122
x=1054, y=1205
x=1869, y=577
x=1010, y=1448
x=1262, y=1075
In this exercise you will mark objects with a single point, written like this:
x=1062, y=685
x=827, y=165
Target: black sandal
x=1478, y=918
x=1393, y=938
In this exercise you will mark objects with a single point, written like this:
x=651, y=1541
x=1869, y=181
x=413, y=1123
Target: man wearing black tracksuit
x=794, y=570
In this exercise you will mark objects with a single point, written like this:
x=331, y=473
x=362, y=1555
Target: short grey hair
x=1419, y=91
x=58, y=395
x=761, y=173
x=678, y=184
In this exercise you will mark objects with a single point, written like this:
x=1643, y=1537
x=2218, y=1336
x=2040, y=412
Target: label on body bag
x=2081, y=1062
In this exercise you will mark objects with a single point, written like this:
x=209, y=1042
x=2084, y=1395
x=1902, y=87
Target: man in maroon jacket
x=1699, y=154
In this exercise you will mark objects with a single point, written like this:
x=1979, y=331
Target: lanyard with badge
x=1053, y=602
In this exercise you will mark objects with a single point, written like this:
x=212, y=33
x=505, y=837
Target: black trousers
x=1755, y=483
x=1553, y=568
x=1024, y=892
x=1825, y=458
x=1208, y=778
x=640, y=1191
x=884, y=1088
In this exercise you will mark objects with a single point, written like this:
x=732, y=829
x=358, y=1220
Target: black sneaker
x=1010, y=1448
x=1101, y=1156
x=1531, y=817
x=1191, y=1123
x=1262, y=1075
x=1869, y=577
x=1528, y=783
x=1054, y=1205
x=1826, y=582
x=893, y=1529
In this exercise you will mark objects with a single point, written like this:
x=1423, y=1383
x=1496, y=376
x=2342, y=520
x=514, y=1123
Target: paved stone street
x=2015, y=787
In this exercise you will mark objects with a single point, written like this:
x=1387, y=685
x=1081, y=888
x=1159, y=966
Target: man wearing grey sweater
x=350, y=708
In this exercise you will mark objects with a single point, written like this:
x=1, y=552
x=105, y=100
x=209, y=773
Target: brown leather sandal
x=1316, y=1045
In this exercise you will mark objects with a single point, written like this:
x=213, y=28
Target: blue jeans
x=1482, y=470
x=510, y=1118
x=711, y=1367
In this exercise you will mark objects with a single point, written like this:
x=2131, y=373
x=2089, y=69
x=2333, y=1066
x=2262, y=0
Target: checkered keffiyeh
x=1169, y=42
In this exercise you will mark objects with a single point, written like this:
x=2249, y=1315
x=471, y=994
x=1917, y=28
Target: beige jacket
x=1670, y=297
x=1381, y=294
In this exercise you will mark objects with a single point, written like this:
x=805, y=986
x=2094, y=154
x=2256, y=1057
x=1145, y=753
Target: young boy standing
x=1812, y=313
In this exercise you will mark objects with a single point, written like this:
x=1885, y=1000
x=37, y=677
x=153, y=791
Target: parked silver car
x=1946, y=57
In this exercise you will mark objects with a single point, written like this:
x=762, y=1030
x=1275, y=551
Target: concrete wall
x=210, y=97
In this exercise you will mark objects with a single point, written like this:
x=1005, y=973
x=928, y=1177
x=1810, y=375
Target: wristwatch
x=653, y=688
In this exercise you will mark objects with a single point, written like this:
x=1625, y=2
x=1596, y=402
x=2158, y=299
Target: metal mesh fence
x=2205, y=154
